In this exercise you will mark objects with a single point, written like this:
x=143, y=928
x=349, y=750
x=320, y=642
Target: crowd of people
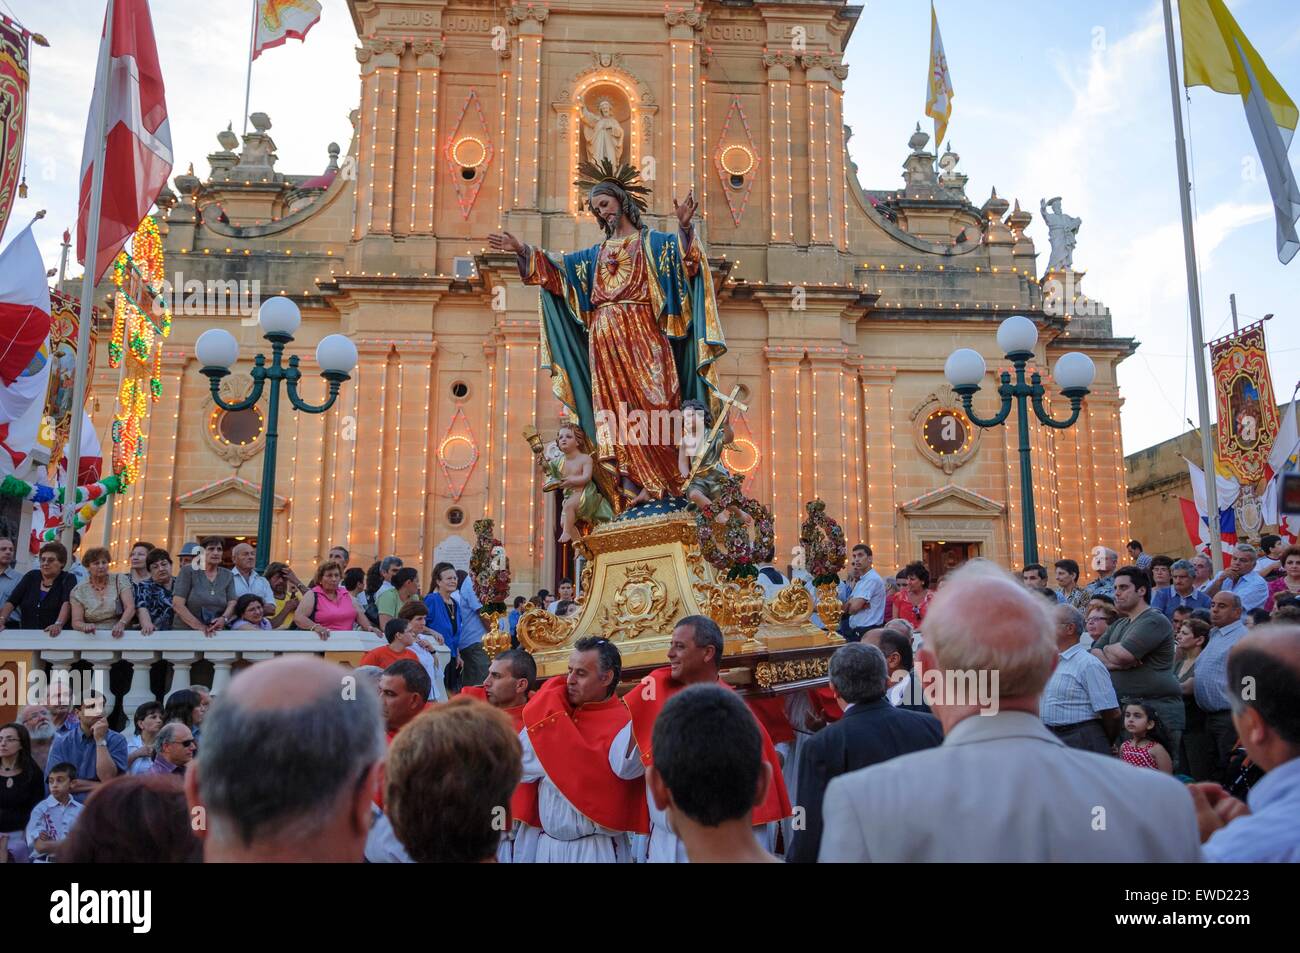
x=1151, y=713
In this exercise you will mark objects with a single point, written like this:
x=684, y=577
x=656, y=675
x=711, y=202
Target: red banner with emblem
x=14, y=48
x=1247, y=411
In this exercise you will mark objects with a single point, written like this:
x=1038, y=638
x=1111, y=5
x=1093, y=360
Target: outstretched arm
x=535, y=268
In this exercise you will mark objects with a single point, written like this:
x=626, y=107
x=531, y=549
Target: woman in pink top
x=327, y=606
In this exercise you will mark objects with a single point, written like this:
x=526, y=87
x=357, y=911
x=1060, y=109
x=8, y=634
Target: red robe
x=645, y=710
x=523, y=806
x=573, y=747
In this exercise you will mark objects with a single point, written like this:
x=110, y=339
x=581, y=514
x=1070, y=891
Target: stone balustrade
x=35, y=650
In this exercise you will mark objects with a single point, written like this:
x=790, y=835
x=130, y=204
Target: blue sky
x=1051, y=98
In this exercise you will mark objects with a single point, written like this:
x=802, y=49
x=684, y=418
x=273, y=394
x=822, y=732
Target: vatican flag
x=277, y=20
x=1217, y=54
x=938, y=93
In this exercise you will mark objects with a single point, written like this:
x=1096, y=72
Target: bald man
x=1001, y=787
x=291, y=756
x=245, y=579
x=1263, y=686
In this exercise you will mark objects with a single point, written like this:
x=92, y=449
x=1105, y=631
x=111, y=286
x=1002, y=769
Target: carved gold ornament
x=539, y=629
x=829, y=607
x=791, y=605
x=767, y=675
x=641, y=604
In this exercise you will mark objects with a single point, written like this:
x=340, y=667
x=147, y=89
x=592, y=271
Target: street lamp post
x=217, y=351
x=1074, y=372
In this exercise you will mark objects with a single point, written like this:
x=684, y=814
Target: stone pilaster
x=825, y=185
x=524, y=145
x=784, y=453
x=683, y=86
x=878, y=432
x=425, y=134
x=779, y=145
x=380, y=60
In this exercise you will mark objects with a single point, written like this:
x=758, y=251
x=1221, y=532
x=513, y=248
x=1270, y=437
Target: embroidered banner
x=57, y=422
x=1247, y=412
x=14, y=47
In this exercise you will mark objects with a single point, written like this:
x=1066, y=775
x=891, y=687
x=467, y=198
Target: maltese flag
x=24, y=306
x=138, y=142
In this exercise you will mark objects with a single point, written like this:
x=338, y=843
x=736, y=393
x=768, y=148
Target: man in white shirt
x=866, y=604
x=1241, y=579
x=245, y=579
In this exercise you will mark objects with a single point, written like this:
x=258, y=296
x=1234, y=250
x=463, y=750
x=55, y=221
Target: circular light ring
x=960, y=417
x=750, y=446
x=457, y=438
x=214, y=427
x=727, y=165
x=463, y=140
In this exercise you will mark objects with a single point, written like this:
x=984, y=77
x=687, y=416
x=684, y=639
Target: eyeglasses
x=188, y=743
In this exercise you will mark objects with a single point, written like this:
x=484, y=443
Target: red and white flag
x=277, y=20
x=24, y=306
x=138, y=154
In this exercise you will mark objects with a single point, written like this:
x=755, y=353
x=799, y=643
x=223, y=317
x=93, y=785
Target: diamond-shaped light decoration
x=736, y=160
x=468, y=152
x=458, y=453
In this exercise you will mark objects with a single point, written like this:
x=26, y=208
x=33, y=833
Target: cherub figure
x=703, y=489
x=570, y=468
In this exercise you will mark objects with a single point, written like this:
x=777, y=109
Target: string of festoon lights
x=427, y=375
x=293, y=480
x=505, y=430
x=490, y=429
x=415, y=147
x=397, y=429
x=534, y=358
x=519, y=105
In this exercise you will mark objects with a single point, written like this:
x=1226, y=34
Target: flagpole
x=1194, y=299
x=87, y=288
x=248, y=79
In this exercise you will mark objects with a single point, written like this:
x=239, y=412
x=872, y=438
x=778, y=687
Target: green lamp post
x=217, y=351
x=1074, y=372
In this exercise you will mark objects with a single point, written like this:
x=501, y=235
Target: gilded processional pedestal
x=645, y=571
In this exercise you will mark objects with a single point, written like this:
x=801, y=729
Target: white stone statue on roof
x=1062, y=232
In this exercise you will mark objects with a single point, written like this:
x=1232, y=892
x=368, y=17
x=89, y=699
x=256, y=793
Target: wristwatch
x=102, y=744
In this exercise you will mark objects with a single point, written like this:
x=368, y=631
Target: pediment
x=230, y=493
x=952, y=500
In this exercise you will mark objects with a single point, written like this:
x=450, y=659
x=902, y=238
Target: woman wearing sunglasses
x=913, y=600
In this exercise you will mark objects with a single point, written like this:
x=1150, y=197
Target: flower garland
x=88, y=500
x=742, y=554
x=491, y=583
x=823, y=544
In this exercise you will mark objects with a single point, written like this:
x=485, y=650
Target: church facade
x=840, y=304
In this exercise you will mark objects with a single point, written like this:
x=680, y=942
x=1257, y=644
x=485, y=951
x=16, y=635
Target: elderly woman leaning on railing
x=103, y=598
x=42, y=595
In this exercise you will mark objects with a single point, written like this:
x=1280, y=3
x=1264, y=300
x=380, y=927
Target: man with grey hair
x=872, y=731
x=1104, y=562
x=1001, y=787
x=1240, y=578
x=291, y=758
x=40, y=726
x=175, y=746
x=1203, y=573
x=388, y=566
x=1079, y=703
x=246, y=579
x=1210, y=678
x=1182, y=592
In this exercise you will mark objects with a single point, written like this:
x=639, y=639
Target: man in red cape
x=508, y=684
x=694, y=657
x=586, y=811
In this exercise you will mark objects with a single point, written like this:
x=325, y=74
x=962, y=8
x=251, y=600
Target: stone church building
x=840, y=304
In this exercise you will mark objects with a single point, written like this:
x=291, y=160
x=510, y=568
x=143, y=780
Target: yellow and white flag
x=938, y=92
x=1217, y=54
x=277, y=20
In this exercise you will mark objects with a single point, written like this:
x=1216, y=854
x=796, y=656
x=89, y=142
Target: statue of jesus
x=629, y=329
x=603, y=134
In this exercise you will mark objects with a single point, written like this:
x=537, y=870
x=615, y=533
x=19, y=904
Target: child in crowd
x=47, y=830
x=1146, y=746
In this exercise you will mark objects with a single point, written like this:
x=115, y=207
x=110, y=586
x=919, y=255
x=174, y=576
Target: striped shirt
x=1211, y=668
x=1078, y=690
